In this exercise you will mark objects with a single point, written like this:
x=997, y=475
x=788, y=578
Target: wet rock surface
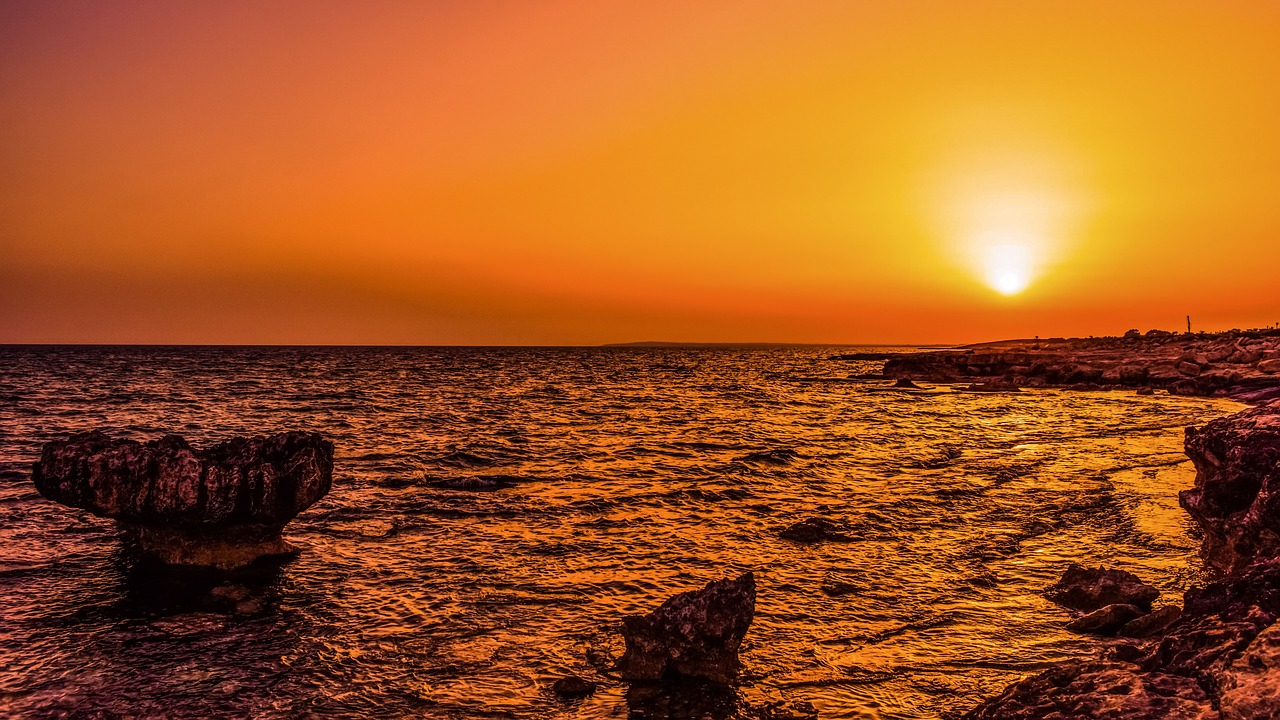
x=223, y=506
x=1219, y=657
x=572, y=686
x=1106, y=620
x=1235, y=363
x=1090, y=589
x=1236, y=498
x=692, y=635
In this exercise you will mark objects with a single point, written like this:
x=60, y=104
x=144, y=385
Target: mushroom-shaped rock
x=223, y=506
x=693, y=634
x=1089, y=589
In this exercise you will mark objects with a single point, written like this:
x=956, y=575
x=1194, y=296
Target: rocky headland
x=1239, y=364
x=221, y=507
x=1219, y=658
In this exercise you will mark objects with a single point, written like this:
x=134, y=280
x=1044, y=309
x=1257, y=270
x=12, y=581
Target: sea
x=496, y=512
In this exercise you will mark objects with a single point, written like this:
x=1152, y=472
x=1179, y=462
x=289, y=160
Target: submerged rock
x=222, y=507
x=1089, y=589
x=572, y=686
x=814, y=530
x=694, y=634
x=1236, y=498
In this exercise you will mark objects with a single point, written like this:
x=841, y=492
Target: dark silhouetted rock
x=694, y=634
x=572, y=686
x=1087, y=589
x=839, y=589
x=220, y=507
x=1236, y=498
x=907, y=384
x=814, y=530
x=781, y=710
x=1106, y=620
x=1151, y=624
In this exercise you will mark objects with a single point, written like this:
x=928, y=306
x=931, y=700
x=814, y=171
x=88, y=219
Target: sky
x=592, y=171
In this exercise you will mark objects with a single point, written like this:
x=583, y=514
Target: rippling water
x=627, y=475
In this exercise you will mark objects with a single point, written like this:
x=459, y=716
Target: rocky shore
x=1238, y=364
x=1220, y=658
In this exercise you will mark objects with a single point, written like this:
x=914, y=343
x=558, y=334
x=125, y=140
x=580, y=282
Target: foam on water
x=495, y=512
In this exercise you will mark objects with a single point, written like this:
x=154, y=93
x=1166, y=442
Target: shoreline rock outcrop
x=1241, y=364
x=1236, y=498
x=694, y=634
x=222, y=507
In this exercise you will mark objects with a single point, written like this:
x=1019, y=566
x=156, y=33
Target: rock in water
x=1107, y=620
x=572, y=686
x=693, y=634
x=1087, y=589
x=222, y=507
x=1236, y=498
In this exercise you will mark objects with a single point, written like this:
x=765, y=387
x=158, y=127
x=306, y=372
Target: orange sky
x=578, y=172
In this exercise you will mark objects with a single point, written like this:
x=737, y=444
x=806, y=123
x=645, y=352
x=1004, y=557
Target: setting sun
x=1008, y=267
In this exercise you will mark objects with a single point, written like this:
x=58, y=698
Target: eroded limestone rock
x=223, y=506
x=1090, y=589
x=694, y=634
x=1236, y=498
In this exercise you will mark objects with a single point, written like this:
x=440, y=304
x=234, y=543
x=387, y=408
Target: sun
x=1009, y=266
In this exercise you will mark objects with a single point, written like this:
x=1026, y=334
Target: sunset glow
x=569, y=172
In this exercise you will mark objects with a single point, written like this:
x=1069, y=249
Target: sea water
x=496, y=511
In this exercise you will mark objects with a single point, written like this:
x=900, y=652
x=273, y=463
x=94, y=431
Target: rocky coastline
x=1238, y=364
x=1219, y=658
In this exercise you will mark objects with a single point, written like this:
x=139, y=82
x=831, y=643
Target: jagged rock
x=694, y=634
x=1236, y=498
x=1250, y=688
x=223, y=506
x=1151, y=624
x=1269, y=366
x=572, y=686
x=814, y=530
x=1087, y=589
x=1114, y=690
x=1106, y=620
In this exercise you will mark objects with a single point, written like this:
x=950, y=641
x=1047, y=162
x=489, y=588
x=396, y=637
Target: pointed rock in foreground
x=694, y=634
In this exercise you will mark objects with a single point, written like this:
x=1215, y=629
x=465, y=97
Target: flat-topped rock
x=223, y=506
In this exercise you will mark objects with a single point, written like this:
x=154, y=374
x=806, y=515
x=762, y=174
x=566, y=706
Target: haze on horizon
x=576, y=172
